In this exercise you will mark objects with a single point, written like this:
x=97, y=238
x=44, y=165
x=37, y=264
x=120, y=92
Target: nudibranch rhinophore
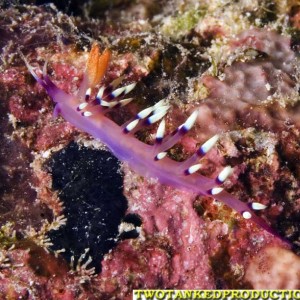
x=89, y=114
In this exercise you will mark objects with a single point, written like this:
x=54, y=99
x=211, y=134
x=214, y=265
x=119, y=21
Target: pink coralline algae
x=263, y=87
x=250, y=101
x=177, y=220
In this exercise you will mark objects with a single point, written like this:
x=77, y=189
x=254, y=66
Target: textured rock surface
x=245, y=83
x=266, y=271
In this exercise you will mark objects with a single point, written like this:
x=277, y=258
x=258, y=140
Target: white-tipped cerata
x=227, y=171
x=116, y=93
x=88, y=93
x=258, y=206
x=125, y=101
x=87, y=114
x=131, y=125
x=104, y=103
x=156, y=117
x=193, y=169
x=161, y=130
x=160, y=103
x=246, y=215
x=160, y=155
x=160, y=109
x=129, y=88
x=145, y=113
x=208, y=145
x=216, y=190
x=188, y=124
x=109, y=104
x=100, y=93
x=113, y=103
x=82, y=106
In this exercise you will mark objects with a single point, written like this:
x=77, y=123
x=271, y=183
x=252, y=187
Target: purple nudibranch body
x=146, y=160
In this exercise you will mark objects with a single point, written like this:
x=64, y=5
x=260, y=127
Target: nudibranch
x=89, y=115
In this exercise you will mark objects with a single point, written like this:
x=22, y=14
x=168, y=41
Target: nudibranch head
x=96, y=67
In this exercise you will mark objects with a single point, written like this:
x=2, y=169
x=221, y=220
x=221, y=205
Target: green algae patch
x=180, y=25
x=7, y=236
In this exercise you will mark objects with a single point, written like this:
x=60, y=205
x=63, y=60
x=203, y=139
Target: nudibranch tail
x=89, y=115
